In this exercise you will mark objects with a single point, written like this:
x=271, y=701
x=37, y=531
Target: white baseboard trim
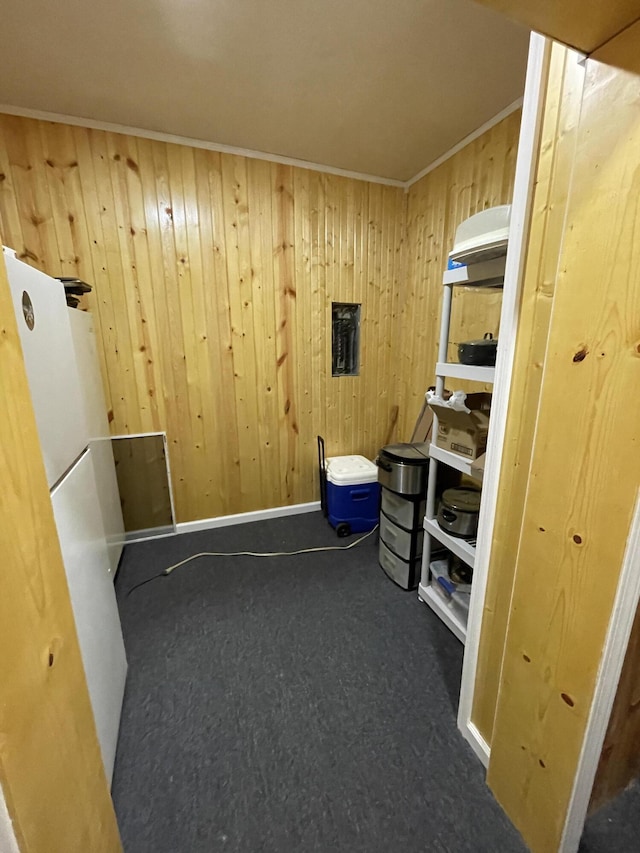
x=477, y=743
x=245, y=517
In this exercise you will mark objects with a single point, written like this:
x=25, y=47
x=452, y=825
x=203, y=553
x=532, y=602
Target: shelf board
x=440, y=608
x=460, y=547
x=482, y=274
x=453, y=460
x=466, y=371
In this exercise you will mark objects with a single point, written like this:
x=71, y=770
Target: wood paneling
x=214, y=277
x=620, y=758
x=582, y=24
x=51, y=768
x=479, y=176
x=553, y=174
x=584, y=476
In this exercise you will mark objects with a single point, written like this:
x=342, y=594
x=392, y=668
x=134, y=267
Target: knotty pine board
x=553, y=174
x=477, y=177
x=51, y=768
x=620, y=758
x=585, y=470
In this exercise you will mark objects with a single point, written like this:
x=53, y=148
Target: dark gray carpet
x=615, y=828
x=291, y=705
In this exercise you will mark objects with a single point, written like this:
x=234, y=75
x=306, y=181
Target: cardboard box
x=422, y=429
x=477, y=467
x=464, y=433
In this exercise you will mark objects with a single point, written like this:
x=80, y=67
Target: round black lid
x=407, y=453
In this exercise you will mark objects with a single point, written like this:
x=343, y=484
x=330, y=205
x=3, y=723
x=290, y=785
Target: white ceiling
x=382, y=87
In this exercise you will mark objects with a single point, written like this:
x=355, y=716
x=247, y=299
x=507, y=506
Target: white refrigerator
x=66, y=391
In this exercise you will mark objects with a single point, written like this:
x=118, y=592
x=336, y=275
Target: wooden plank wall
x=479, y=176
x=620, y=758
x=214, y=276
x=585, y=471
x=51, y=768
x=553, y=175
x=214, y=279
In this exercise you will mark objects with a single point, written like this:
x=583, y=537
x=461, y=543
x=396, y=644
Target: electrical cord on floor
x=166, y=572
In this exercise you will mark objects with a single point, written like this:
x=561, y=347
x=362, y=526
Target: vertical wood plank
x=12, y=223
x=120, y=356
x=265, y=328
x=168, y=302
x=584, y=475
x=215, y=479
x=234, y=176
x=558, y=137
x=285, y=301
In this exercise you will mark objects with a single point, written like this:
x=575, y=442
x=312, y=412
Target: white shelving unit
x=463, y=548
x=452, y=609
x=466, y=371
x=453, y=460
x=484, y=274
x=454, y=621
